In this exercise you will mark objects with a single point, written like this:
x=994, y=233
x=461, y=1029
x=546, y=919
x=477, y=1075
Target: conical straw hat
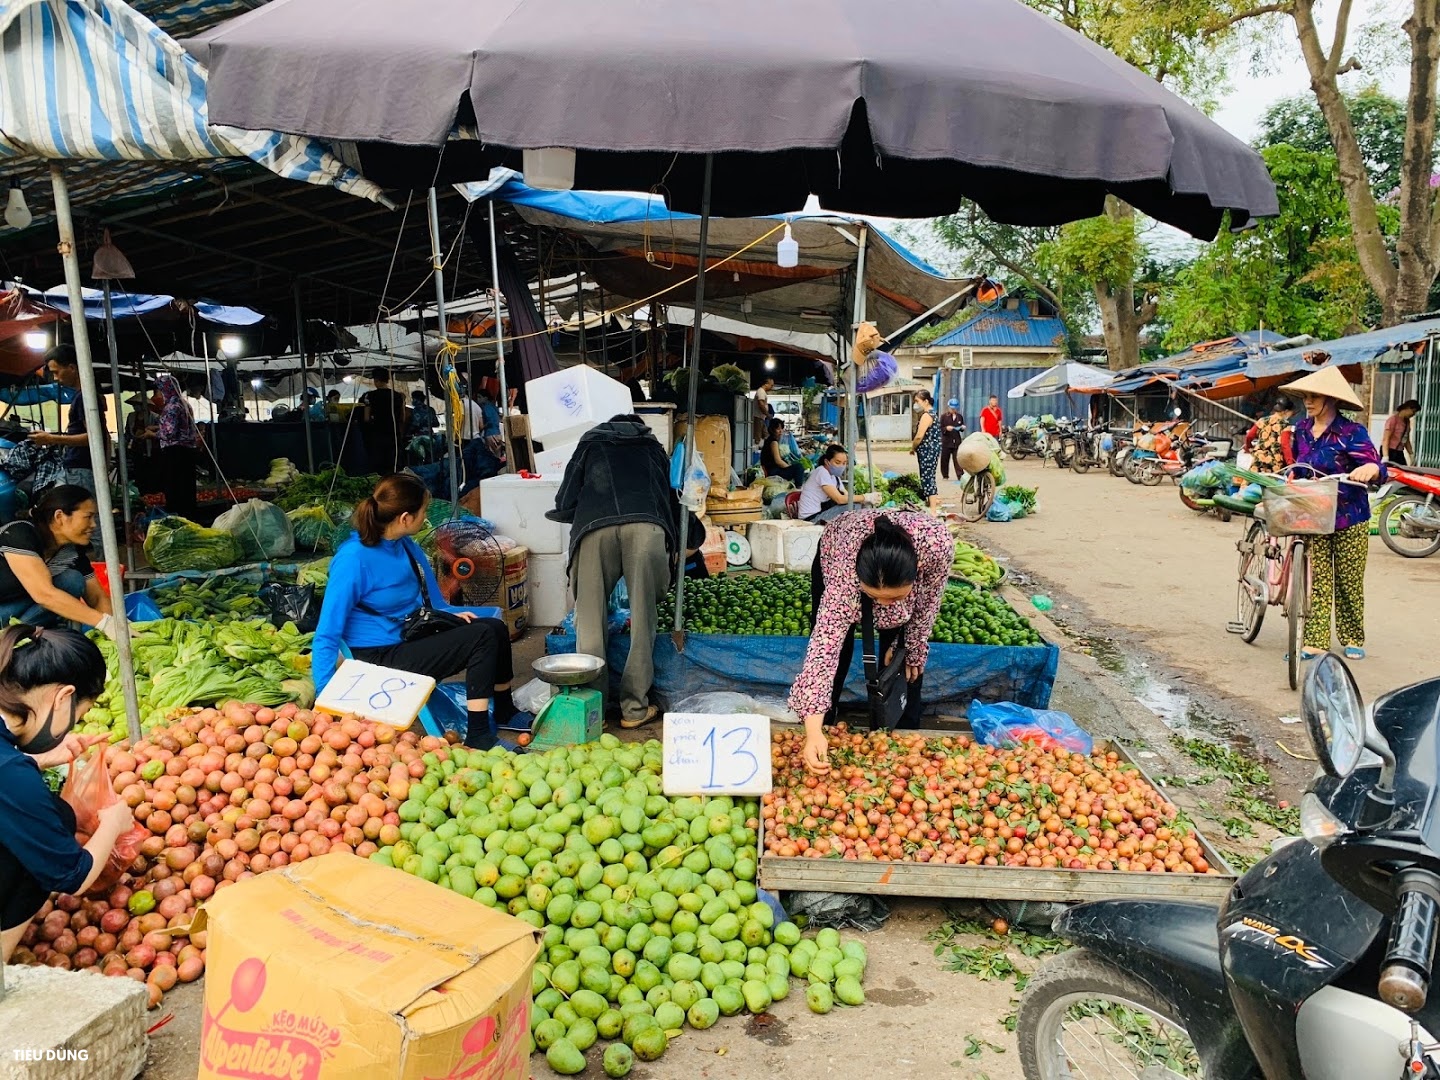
x=1328, y=382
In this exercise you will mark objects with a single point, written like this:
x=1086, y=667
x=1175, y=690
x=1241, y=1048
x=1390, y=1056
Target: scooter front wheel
x=1080, y=1016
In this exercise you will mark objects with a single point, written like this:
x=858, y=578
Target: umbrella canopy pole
x=437, y=262
x=499, y=330
x=304, y=382
x=115, y=389
x=96, y=437
x=860, y=299
x=692, y=390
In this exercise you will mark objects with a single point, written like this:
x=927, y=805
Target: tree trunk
x=1117, y=317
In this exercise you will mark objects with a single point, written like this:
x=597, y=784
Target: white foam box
x=518, y=507
x=551, y=461
x=550, y=596
x=575, y=397
x=802, y=544
x=767, y=543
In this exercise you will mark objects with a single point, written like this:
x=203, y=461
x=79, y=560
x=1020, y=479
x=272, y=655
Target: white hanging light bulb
x=787, y=251
x=17, y=214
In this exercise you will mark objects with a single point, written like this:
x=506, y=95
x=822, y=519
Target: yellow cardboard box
x=340, y=969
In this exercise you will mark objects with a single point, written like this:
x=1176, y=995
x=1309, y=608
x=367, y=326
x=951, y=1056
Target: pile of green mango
x=650, y=915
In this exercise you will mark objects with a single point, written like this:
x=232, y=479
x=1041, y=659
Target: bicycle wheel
x=1410, y=526
x=984, y=492
x=1298, y=605
x=1252, y=587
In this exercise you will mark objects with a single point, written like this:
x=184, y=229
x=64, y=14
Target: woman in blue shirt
x=48, y=680
x=375, y=583
x=1331, y=444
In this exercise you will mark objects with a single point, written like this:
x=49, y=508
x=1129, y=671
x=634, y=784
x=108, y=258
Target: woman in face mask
x=48, y=681
x=824, y=495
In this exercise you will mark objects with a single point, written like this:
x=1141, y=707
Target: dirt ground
x=1143, y=588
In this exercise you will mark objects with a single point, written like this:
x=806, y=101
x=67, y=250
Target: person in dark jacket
x=952, y=434
x=625, y=523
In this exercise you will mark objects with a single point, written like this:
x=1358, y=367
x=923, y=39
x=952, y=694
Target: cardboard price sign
x=377, y=693
x=711, y=754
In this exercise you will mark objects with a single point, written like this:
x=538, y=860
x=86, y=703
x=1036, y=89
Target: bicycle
x=1274, y=568
x=977, y=494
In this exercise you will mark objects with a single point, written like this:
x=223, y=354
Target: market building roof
x=1006, y=328
x=1403, y=340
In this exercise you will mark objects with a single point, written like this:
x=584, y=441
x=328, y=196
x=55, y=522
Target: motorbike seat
x=1421, y=469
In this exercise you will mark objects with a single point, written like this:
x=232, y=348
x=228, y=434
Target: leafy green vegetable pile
x=216, y=599
x=906, y=488
x=971, y=617
x=316, y=487
x=318, y=527
x=180, y=663
x=1022, y=496
x=973, y=565
x=175, y=543
x=648, y=904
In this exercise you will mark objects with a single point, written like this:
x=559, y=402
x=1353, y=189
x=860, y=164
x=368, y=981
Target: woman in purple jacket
x=1332, y=444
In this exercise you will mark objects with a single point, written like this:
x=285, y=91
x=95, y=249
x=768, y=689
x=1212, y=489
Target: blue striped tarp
x=97, y=80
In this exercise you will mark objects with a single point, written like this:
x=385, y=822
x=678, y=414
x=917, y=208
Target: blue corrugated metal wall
x=973, y=387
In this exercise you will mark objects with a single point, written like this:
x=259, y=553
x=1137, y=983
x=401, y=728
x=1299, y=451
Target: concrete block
x=59, y=1025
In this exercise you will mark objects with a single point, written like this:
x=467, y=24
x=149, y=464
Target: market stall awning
x=96, y=80
x=133, y=305
x=20, y=314
x=1403, y=341
x=1063, y=379
x=645, y=251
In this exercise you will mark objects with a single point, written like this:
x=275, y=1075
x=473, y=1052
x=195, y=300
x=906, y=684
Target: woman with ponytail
x=897, y=562
x=374, y=585
x=48, y=681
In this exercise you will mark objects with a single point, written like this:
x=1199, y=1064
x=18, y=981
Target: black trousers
x=1396, y=457
x=177, y=479
x=949, y=455
x=913, y=706
x=480, y=648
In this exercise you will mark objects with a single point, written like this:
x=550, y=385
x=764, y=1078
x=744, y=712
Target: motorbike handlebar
x=1405, y=972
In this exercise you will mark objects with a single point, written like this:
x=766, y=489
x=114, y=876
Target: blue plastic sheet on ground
x=955, y=675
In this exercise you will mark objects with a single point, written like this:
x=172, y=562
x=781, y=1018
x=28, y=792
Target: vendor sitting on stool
x=824, y=495
x=773, y=459
x=45, y=575
x=374, y=585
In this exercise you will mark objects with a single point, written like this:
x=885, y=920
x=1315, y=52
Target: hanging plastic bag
x=88, y=790
x=697, y=486
x=677, y=465
x=1005, y=723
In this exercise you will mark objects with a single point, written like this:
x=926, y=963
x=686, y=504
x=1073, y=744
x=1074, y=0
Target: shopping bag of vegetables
x=261, y=530
x=175, y=543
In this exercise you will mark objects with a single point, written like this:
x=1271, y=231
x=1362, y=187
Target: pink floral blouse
x=839, y=609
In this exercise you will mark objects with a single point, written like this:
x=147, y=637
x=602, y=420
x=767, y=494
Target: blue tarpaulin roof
x=133, y=305
x=35, y=393
x=1356, y=349
x=1006, y=329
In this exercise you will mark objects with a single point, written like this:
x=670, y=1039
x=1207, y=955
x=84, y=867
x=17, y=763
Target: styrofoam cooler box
x=551, y=461
x=802, y=544
x=518, y=508
x=659, y=416
x=767, y=543
x=573, y=398
x=550, y=596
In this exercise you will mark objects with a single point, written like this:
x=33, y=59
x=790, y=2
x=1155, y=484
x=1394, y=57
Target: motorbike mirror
x=1334, y=715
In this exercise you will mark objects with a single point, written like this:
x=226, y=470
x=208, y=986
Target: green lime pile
x=973, y=617
x=770, y=605
x=648, y=904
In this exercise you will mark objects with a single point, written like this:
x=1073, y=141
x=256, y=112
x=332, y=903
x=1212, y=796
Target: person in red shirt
x=991, y=418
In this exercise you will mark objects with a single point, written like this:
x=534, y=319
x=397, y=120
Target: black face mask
x=46, y=739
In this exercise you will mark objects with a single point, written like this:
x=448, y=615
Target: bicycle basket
x=1301, y=507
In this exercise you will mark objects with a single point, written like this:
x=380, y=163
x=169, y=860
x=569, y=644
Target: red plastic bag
x=88, y=790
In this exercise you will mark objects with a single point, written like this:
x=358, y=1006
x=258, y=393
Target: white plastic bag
x=261, y=530
x=697, y=485
x=533, y=696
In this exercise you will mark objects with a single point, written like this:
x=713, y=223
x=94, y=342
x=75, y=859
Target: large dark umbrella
x=900, y=108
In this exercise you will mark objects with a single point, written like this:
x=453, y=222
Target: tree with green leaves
x=1295, y=273
x=1378, y=119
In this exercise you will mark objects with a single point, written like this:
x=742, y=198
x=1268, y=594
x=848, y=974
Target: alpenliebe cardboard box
x=338, y=968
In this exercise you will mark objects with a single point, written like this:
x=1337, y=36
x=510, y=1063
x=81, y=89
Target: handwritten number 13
x=739, y=751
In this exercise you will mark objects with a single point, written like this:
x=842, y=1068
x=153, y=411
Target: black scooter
x=1319, y=963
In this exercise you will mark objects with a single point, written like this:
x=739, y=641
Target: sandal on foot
x=1305, y=654
x=630, y=723
x=1354, y=652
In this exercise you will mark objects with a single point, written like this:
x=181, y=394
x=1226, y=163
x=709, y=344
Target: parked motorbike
x=1173, y=454
x=1319, y=963
x=1087, y=449
x=1410, y=515
x=1020, y=442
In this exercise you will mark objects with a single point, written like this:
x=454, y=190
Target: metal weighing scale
x=574, y=714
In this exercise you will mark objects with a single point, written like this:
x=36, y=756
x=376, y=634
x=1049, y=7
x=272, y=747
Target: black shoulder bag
x=425, y=621
x=886, y=686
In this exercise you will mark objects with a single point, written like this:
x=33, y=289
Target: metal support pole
x=692, y=390
x=580, y=316
x=304, y=381
x=114, y=348
x=95, y=433
x=438, y=266
x=853, y=416
x=499, y=332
